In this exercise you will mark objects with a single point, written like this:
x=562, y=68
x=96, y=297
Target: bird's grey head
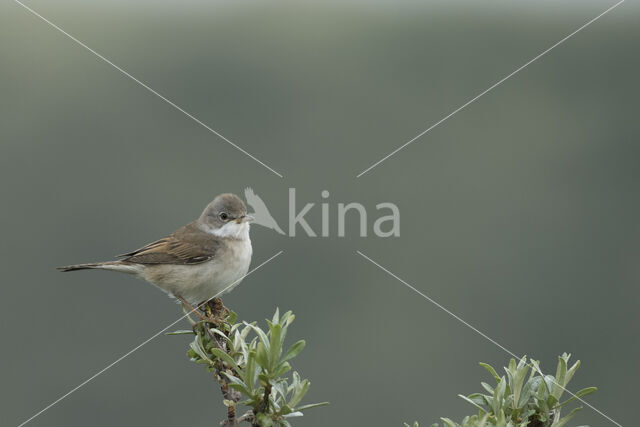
x=226, y=216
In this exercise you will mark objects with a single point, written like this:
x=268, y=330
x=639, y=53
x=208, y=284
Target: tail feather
x=85, y=266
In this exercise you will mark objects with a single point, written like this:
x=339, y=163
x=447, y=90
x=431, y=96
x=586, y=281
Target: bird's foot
x=215, y=311
x=218, y=307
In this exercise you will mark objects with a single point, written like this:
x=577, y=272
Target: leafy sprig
x=522, y=398
x=251, y=365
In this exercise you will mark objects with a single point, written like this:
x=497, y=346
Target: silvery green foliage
x=522, y=398
x=255, y=364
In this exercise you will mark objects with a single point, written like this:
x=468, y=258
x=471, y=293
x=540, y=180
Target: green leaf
x=264, y=420
x=525, y=396
x=262, y=357
x=281, y=387
x=282, y=369
x=562, y=421
x=448, y=422
x=583, y=392
x=571, y=372
x=245, y=332
x=275, y=346
x=250, y=370
x=559, y=382
x=220, y=333
x=491, y=371
x=263, y=337
x=285, y=321
x=498, y=395
x=197, y=348
x=300, y=389
x=228, y=359
x=237, y=384
x=478, y=398
x=487, y=387
x=294, y=350
x=542, y=392
x=264, y=379
x=181, y=332
x=473, y=403
x=517, y=375
x=232, y=317
x=311, y=405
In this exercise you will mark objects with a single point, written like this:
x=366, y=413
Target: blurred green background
x=519, y=214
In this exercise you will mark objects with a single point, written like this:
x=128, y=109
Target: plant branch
x=250, y=365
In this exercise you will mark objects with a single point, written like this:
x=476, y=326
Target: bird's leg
x=191, y=308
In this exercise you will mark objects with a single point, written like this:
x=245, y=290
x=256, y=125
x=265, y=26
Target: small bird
x=261, y=213
x=197, y=262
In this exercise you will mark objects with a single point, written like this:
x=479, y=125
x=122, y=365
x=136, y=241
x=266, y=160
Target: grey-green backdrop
x=519, y=214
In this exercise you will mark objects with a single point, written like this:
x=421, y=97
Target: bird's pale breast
x=200, y=282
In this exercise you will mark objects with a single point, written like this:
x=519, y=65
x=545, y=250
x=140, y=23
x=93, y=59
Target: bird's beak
x=245, y=218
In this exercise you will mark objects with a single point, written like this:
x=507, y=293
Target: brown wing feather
x=188, y=245
x=147, y=247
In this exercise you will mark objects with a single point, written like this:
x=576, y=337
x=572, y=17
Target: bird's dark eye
x=223, y=216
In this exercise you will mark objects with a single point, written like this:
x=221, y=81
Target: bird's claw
x=214, y=311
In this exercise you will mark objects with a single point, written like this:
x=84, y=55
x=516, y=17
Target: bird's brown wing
x=186, y=246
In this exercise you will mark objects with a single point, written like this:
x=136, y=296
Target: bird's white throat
x=232, y=230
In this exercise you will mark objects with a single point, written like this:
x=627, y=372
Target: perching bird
x=204, y=258
x=261, y=214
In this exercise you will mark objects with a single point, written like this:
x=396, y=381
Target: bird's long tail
x=101, y=265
